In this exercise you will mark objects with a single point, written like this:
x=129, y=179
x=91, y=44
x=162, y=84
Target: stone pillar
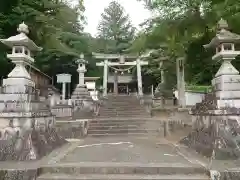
x=181, y=83
x=162, y=83
x=139, y=78
x=63, y=91
x=81, y=78
x=52, y=100
x=105, y=77
x=162, y=76
x=115, y=81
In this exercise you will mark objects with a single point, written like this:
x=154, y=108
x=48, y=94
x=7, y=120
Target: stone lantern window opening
x=218, y=49
x=181, y=63
x=17, y=50
x=21, y=50
x=228, y=47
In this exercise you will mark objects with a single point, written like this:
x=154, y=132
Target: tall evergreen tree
x=116, y=28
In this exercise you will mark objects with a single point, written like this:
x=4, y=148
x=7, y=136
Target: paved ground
x=129, y=150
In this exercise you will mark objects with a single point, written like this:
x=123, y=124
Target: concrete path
x=126, y=150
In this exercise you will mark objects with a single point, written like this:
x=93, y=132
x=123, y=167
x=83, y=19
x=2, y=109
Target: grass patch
x=201, y=89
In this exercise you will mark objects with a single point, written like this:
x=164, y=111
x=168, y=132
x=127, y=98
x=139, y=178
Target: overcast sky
x=94, y=8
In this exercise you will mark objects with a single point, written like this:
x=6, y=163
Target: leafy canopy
x=115, y=28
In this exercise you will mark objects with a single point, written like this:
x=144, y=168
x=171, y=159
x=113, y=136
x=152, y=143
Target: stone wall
x=18, y=174
x=173, y=114
x=32, y=145
x=72, y=129
x=216, y=132
x=62, y=111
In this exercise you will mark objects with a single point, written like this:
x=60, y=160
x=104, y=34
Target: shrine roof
x=39, y=71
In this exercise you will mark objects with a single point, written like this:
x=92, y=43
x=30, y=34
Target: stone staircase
x=122, y=106
x=123, y=115
x=122, y=171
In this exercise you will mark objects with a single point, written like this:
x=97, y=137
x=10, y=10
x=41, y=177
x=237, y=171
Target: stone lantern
x=215, y=120
x=81, y=96
x=226, y=81
x=21, y=47
x=161, y=86
x=20, y=107
x=224, y=42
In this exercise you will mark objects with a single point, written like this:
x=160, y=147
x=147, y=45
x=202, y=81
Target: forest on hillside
x=180, y=28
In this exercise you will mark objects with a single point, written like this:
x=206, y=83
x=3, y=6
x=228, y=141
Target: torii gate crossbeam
x=106, y=64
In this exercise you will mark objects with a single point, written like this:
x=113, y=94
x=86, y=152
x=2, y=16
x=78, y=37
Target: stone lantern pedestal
x=216, y=121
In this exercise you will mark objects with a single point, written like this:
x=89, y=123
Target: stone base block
x=18, y=174
x=32, y=146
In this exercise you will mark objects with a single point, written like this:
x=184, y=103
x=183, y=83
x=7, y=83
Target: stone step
x=122, y=108
x=132, y=113
x=124, y=115
x=120, y=126
x=127, y=109
x=123, y=100
x=116, y=126
x=129, y=104
x=102, y=116
x=110, y=128
x=123, y=168
x=149, y=134
x=121, y=116
x=127, y=101
x=121, y=131
x=121, y=177
x=124, y=112
x=125, y=124
x=126, y=120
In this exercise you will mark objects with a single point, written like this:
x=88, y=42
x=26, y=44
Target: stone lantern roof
x=223, y=35
x=21, y=39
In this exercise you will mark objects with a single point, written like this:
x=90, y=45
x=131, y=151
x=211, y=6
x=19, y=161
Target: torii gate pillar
x=139, y=77
x=105, y=77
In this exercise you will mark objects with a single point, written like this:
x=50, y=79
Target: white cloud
x=94, y=8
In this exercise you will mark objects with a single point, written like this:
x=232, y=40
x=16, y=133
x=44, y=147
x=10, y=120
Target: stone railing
x=161, y=101
x=62, y=111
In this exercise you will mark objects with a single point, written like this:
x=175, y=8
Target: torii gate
x=138, y=62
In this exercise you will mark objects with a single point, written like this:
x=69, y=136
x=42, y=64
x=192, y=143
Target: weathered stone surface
x=18, y=174
x=32, y=146
x=72, y=129
x=230, y=175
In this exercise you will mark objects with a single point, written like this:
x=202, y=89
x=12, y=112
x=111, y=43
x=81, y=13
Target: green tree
x=116, y=28
x=55, y=25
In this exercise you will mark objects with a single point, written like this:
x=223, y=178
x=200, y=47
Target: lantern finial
x=23, y=28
